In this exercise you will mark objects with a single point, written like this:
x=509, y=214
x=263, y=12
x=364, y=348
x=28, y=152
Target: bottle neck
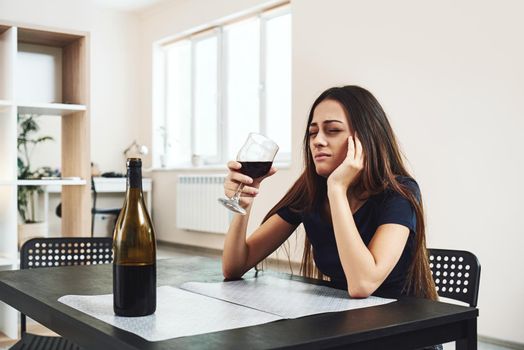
x=134, y=178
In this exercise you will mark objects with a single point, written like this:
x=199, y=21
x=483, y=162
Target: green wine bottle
x=134, y=251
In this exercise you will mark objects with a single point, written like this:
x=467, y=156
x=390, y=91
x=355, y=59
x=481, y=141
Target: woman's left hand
x=348, y=170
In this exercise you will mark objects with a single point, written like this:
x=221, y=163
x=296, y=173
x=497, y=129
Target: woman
x=361, y=210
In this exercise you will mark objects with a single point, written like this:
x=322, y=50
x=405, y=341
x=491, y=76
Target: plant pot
x=33, y=230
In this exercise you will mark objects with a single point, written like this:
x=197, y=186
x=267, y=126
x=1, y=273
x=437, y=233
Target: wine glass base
x=232, y=205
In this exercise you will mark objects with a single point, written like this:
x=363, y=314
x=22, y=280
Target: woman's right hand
x=235, y=178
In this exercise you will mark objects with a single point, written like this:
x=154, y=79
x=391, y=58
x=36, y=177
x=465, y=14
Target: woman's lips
x=320, y=157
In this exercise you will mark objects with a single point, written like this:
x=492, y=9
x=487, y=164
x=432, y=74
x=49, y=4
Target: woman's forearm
x=236, y=252
x=357, y=261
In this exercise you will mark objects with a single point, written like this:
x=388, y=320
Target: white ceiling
x=129, y=5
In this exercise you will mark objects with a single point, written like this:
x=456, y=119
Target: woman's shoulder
x=396, y=203
x=290, y=215
x=405, y=182
x=409, y=182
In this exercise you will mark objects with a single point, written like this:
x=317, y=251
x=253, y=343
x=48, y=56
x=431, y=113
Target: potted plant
x=29, y=226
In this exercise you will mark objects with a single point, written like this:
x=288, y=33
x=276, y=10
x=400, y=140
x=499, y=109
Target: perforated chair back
x=456, y=274
x=60, y=251
x=66, y=251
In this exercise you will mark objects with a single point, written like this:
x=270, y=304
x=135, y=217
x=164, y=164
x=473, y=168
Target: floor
x=167, y=251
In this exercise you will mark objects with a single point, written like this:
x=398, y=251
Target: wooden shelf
x=47, y=37
x=50, y=108
x=50, y=182
x=43, y=182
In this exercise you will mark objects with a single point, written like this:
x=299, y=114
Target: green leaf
x=26, y=141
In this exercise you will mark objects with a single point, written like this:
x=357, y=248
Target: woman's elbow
x=360, y=290
x=231, y=274
x=231, y=277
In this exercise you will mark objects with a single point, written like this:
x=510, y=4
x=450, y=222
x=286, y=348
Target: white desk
x=106, y=185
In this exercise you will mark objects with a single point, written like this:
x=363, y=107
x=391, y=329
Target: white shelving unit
x=68, y=99
x=58, y=109
x=8, y=212
x=7, y=263
x=50, y=182
x=64, y=182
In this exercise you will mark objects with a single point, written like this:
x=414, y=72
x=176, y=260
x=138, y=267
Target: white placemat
x=179, y=313
x=283, y=297
x=201, y=307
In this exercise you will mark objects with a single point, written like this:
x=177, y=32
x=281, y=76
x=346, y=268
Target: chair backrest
x=94, y=210
x=64, y=251
x=93, y=191
x=58, y=209
x=456, y=274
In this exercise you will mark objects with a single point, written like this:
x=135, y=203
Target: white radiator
x=197, y=207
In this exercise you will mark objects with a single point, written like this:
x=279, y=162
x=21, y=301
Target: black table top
x=35, y=292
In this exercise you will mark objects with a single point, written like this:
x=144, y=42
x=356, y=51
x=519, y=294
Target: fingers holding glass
x=231, y=188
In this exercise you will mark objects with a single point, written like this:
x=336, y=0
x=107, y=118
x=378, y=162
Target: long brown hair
x=382, y=164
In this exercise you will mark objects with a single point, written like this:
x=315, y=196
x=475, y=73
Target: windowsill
x=219, y=167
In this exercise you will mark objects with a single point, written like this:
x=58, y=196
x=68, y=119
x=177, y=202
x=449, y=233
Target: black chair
x=100, y=211
x=456, y=274
x=94, y=210
x=61, y=251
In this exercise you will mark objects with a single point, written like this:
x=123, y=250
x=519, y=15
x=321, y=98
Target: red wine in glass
x=256, y=157
x=255, y=169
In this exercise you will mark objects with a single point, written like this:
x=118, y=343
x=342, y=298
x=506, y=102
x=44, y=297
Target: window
x=214, y=87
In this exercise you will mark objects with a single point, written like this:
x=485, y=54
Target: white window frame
x=194, y=39
x=265, y=16
x=160, y=83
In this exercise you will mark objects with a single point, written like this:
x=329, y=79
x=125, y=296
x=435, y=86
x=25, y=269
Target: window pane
x=178, y=103
x=195, y=113
x=205, y=99
x=278, y=83
x=242, y=106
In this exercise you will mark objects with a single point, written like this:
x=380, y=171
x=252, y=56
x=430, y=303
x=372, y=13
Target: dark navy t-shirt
x=388, y=207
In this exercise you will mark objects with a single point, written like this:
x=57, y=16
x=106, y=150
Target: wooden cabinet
x=69, y=101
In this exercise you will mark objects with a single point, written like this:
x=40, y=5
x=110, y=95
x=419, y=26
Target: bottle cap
x=134, y=162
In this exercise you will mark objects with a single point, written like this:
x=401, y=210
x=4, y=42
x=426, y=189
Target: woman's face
x=328, y=136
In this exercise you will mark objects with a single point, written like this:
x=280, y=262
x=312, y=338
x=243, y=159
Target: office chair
x=456, y=274
x=95, y=210
x=60, y=251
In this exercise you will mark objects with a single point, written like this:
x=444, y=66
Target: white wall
x=450, y=76
x=114, y=60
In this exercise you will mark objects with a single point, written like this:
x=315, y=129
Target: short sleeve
x=291, y=217
x=396, y=209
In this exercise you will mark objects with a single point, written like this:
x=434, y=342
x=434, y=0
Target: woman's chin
x=323, y=171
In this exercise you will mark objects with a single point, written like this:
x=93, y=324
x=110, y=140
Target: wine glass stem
x=236, y=197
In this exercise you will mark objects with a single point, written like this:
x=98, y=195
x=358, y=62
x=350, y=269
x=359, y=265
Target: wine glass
x=256, y=157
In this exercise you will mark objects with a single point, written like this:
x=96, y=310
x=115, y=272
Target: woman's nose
x=320, y=141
